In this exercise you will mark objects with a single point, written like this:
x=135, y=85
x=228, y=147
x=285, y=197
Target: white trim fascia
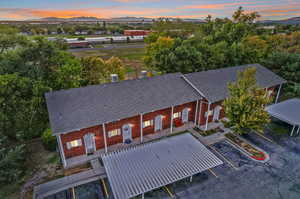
x=194, y=87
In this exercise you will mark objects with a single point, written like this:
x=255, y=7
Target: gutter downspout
x=104, y=135
x=278, y=93
x=207, y=117
x=141, y=124
x=172, y=112
x=61, y=150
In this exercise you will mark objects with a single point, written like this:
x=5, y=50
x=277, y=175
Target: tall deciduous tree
x=97, y=70
x=245, y=106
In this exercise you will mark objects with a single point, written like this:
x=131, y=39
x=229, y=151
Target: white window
x=177, y=115
x=74, y=143
x=270, y=92
x=209, y=113
x=114, y=132
x=147, y=123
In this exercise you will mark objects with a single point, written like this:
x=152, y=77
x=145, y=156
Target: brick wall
x=135, y=129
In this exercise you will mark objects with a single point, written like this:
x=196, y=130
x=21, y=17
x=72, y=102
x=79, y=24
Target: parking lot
x=241, y=177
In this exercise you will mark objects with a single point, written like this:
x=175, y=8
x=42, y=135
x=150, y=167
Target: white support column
x=191, y=178
x=172, y=112
x=293, y=130
x=207, y=116
x=196, y=112
x=200, y=113
x=141, y=124
x=61, y=150
x=104, y=136
x=143, y=196
x=298, y=130
x=278, y=93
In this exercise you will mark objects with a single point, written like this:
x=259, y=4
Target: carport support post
x=104, y=135
x=207, y=116
x=172, y=112
x=278, y=93
x=196, y=112
x=143, y=196
x=293, y=130
x=298, y=130
x=141, y=118
x=191, y=178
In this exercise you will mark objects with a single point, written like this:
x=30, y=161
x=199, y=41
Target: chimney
x=143, y=74
x=114, y=77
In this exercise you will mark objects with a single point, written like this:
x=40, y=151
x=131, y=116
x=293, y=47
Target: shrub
x=81, y=38
x=49, y=140
x=12, y=160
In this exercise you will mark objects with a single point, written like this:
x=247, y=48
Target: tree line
x=226, y=42
x=29, y=67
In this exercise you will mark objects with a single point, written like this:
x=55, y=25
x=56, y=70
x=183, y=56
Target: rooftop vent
x=114, y=78
x=143, y=74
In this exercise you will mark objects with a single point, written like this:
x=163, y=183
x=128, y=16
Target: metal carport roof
x=287, y=111
x=140, y=169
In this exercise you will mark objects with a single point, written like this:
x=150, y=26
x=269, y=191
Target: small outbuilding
x=137, y=170
x=287, y=111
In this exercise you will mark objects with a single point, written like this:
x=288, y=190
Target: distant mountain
x=290, y=21
x=122, y=19
x=70, y=19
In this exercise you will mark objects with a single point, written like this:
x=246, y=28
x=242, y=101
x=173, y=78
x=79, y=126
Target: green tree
x=12, y=159
x=22, y=105
x=287, y=65
x=9, y=38
x=240, y=16
x=245, y=106
x=97, y=71
x=93, y=70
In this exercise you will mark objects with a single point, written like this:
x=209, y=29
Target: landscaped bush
x=49, y=140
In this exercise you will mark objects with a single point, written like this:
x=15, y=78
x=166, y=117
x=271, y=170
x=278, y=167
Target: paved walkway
x=75, y=161
x=211, y=139
x=67, y=182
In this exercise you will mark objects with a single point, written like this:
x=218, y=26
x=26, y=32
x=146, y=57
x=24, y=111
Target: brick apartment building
x=88, y=119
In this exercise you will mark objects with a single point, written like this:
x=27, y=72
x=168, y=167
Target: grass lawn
x=42, y=166
x=132, y=57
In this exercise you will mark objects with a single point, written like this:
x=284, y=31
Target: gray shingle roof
x=84, y=107
x=213, y=83
x=152, y=165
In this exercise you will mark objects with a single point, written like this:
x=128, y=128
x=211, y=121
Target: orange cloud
x=94, y=12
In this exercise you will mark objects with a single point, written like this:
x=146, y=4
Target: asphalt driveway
x=277, y=179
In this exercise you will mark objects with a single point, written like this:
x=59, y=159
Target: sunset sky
x=34, y=9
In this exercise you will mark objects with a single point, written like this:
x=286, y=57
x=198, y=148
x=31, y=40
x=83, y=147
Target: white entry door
x=89, y=142
x=185, y=115
x=158, y=123
x=126, y=130
x=217, y=110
